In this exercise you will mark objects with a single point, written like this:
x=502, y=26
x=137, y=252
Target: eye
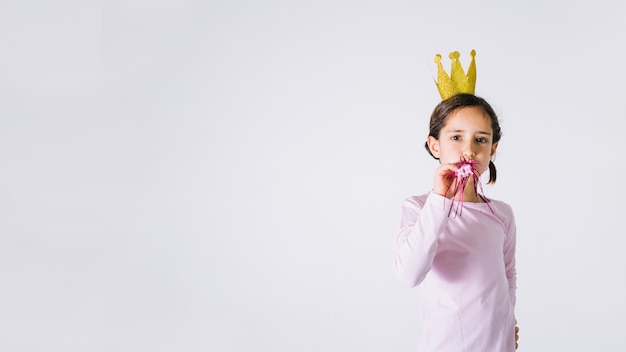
x=456, y=138
x=481, y=140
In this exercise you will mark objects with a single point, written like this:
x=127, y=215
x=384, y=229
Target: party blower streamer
x=459, y=179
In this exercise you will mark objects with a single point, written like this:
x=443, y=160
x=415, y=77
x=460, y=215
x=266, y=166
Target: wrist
x=439, y=192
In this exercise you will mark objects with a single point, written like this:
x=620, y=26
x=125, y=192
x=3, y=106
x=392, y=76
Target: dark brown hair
x=443, y=109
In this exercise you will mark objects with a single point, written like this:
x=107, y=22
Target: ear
x=493, y=148
x=433, y=145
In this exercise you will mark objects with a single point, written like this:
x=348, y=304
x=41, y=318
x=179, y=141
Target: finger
x=446, y=170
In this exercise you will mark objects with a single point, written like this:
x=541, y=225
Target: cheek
x=484, y=162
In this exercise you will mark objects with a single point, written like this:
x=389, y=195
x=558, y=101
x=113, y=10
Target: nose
x=468, y=151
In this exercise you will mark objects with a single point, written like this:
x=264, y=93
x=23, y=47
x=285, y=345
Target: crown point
x=458, y=81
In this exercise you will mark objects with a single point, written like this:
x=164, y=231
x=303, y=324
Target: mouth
x=466, y=161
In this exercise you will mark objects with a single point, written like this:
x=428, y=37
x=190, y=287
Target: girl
x=463, y=261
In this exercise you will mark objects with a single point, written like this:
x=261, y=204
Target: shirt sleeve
x=509, y=257
x=416, y=241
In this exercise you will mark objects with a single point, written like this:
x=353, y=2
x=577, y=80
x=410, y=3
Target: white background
x=228, y=176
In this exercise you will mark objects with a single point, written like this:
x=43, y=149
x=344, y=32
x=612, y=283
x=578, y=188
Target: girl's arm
x=509, y=257
x=509, y=263
x=416, y=241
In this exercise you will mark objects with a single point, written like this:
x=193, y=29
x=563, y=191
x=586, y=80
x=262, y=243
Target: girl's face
x=467, y=133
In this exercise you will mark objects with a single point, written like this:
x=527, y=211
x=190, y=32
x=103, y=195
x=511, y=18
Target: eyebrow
x=477, y=132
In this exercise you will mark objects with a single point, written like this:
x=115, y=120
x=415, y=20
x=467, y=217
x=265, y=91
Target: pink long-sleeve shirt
x=465, y=266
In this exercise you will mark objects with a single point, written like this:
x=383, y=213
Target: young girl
x=464, y=261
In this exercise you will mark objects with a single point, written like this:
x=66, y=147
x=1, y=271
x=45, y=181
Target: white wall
x=228, y=176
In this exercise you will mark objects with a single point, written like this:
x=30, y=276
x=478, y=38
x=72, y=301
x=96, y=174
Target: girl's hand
x=516, y=336
x=444, y=177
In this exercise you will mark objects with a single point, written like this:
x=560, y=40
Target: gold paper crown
x=457, y=82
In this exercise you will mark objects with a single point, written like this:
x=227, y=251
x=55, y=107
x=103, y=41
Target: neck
x=469, y=193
